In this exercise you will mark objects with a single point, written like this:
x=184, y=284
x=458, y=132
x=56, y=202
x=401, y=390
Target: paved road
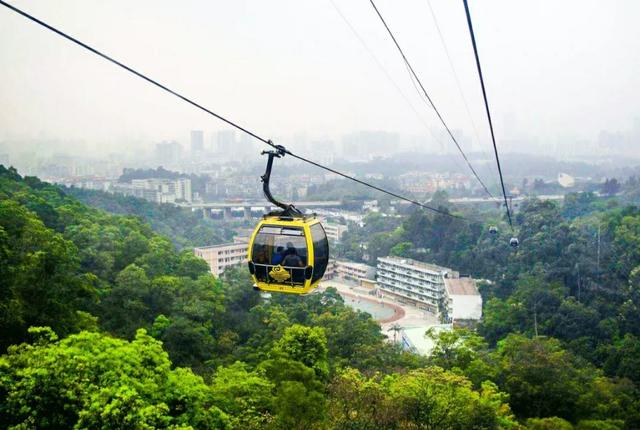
x=413, y=317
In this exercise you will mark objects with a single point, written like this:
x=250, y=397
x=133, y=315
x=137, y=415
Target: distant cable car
x=288, y=251
x=514, y=242
x=493, y=229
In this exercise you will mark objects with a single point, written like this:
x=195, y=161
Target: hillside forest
x=108, y=320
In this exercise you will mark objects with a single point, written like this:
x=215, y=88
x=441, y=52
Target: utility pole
x=535, y=317
x=579, y=283
x=598, y=259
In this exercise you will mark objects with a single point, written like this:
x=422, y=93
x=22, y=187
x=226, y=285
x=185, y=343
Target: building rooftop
x=416, y=337
x=417, y=264
x=461, y=286
x=222, y=245
x=361, y=266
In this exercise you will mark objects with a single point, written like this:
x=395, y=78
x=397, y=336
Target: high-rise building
x=168, y=151
x=197, y=142
x=226, y=141
x=366, y=144
x=418, y=283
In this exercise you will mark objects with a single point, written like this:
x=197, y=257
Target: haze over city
x=561, y=76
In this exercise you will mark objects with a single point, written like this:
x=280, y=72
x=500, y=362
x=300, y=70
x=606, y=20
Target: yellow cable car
x=288, y=254
x=288, y=251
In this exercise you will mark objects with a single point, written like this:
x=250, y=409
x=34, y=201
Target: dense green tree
x=40, y=282
x=463, y=350
x=430, y=398
x=124, y=309
x=184, y=227
x=307, y=345
x=91, y=380
x=246, y=396
x=627, y=244
x=289, y=362
x=578, y=204
x=610, y=187
x=298, y=397
x=623, y=358
x=550, y=423
x=541, y=377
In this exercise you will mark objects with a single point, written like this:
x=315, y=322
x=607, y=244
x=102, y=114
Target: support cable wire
x=437, y=139
x=220, y=117
x=431, y=103
x=486, y=106
x=459, y=85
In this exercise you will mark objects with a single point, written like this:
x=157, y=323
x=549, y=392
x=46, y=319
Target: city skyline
x=307, y=73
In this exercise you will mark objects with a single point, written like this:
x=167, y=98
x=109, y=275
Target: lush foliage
x=90, y=380
x=129, y=332
x=184, y=227
x=573, y=285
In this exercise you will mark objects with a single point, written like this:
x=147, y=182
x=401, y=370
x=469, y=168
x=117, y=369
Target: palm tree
x=395, y=328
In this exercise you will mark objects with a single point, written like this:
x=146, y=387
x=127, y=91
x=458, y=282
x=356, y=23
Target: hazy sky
x=554, y=68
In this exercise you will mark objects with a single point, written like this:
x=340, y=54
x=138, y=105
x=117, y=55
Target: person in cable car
x=292, y=259
x=279, y=255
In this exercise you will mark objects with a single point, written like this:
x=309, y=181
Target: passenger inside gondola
x=292, y=259
x=279, y=255
x=262, y=254
x=278, y=246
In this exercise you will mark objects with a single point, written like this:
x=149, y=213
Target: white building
x=565, y=180
x=183, y=189
x=157, y=190
x=370, y=206
x=463, y=301
x=220, y=257
x=355, y=272
x=334, y=231
x=420, y=284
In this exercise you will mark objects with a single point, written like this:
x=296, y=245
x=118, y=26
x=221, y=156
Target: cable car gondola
x=288, y=251
x=514, y=242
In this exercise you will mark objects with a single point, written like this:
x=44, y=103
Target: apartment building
x=334, y=231
x=220, y=257
x=350, y=271
x=463, y=303
x=157, y=190
x=417, y=283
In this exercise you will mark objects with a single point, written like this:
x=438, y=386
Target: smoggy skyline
x=555, y=71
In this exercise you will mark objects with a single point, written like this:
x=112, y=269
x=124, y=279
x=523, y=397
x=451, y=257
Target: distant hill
x=184, y=227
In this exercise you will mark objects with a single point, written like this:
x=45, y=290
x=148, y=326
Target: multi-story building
x=167, y=152
x=157, y=190
x=220, y=257
x=463, y=303
x=415, y=282
x=334, y=231
x=331, y=271
x=197, y=142
x=354, y=272
x=183, y=189
x=225, y=142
